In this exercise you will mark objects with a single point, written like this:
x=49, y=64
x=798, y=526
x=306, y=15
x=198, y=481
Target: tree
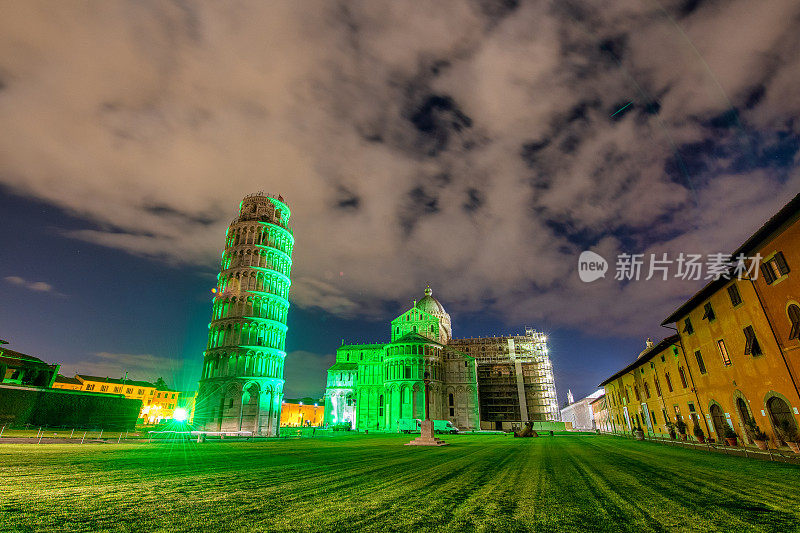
x=161, y=384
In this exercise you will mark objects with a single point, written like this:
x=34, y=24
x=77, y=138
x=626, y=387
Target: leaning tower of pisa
x=241, y=387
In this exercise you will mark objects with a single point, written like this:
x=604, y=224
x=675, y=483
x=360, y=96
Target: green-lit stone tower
x=241, y=387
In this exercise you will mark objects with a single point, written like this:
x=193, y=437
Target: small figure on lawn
x=527, y=432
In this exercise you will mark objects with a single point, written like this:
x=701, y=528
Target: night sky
x=478, y=146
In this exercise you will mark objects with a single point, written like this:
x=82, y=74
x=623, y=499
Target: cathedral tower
x=241, y=387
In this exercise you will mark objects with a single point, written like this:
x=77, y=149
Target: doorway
x=718, y=418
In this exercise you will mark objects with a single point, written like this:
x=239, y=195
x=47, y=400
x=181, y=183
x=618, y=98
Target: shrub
x=698, y=431
x=754, y=432
x=788, y=431
x=681, y=425
x=730, y=433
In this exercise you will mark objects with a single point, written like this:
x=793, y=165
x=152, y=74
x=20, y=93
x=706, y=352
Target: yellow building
x=305, y=412
x=652, y=391
x=741, y=336
x=156, y=404
x=734, y=360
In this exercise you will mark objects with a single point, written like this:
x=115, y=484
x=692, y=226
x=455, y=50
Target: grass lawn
x=373, y=482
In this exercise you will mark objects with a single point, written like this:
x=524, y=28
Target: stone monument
x=427, y=438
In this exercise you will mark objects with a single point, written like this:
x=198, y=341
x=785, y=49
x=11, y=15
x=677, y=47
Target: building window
x=646, y=390
x=751, y=346
x=140, y=391
x=230, y=403
x=708, y=312
x=794, y=317
x=687, y=326
x=103, y=388
x=636, y=393
x=452, y=412
x=450, y=399
x=700, y=363
x=658, y=386
x=774, y=268
x=90, y=387
x=723, y=352
x=666, y=416
x=682, y=374
x=407, y=373
x=733, y=292
x=669, y=382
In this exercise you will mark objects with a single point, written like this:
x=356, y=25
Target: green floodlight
x=180, y=415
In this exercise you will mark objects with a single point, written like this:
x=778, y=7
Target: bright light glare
x=179, y=415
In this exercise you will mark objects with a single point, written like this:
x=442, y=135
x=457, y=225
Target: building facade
x=302, y=413
x=734, y=360
x=20, y=369
x=157, y=403
x=580, y=414
x=490, y=383
x=241, y=386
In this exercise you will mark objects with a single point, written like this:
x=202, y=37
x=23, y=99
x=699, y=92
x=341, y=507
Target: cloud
x=143, y=367
x=302, y=373
x=36, y=286
x=466, y=144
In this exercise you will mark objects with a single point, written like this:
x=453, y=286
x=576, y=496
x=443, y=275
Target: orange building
x=305, y=412
x=735, y=359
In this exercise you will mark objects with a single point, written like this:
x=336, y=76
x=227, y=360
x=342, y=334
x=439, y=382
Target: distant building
x=157, y=404
x=20, y=369
x=580, y=413
x=305, y=412
x=29, y=395
x=241, y=386
x=602, y=420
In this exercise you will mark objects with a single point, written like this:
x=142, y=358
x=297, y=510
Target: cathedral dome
x=431, y=305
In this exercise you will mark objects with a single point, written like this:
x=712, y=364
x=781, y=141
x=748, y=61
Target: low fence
x=740, y=451
x=65, y=435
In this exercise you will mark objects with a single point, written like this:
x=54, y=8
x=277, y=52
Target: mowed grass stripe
x=375, y=483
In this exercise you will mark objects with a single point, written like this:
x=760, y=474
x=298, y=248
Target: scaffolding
x=515, y=378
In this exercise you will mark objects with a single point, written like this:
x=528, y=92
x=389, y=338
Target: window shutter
x=783, y=267
x=766, y=271
x=794, y=317
x=750, y=336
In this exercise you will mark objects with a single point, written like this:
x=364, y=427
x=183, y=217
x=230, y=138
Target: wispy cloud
x=36, y=286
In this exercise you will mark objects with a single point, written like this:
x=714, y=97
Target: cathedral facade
x=372, y=386
x=494, y=383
